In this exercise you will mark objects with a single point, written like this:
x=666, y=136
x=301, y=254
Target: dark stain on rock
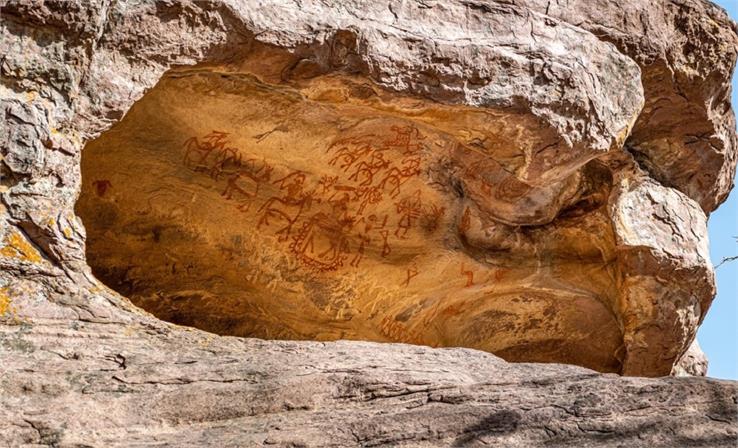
x=501, y=422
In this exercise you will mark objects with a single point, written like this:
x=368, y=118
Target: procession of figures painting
x=331, y=221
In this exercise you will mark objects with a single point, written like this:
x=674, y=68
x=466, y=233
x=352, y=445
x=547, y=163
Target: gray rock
x=693, y=362
x=147, y=384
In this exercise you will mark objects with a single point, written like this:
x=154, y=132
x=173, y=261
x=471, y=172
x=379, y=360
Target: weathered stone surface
x=141, y=383
x=474, y=174
x=686, y=49
x=693, y=362
x=665, y=267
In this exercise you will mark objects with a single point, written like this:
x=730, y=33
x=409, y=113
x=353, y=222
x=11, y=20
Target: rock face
x=140, y=383
x=693, y=362
x=685, y=135
x=526, y=178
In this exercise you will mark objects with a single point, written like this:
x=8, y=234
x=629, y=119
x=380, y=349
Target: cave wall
x=341, y=211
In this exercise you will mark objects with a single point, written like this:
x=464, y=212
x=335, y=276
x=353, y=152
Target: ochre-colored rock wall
x=339, y=211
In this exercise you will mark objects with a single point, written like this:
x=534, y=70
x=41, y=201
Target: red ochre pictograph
x=332, y=221
x=101, y=186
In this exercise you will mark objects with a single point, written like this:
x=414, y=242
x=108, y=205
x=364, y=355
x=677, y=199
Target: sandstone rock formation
x=123, y=384
x=692, y=362
x=526, y=178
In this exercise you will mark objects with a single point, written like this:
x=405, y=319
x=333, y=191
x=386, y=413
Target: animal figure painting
x=336, y=220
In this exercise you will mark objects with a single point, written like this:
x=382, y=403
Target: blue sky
x=718, y=335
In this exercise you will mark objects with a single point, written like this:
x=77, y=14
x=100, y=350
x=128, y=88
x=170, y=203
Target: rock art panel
x=260, y=212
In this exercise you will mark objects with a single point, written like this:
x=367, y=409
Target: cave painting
x=351, y=225
x=101, y=186
x=364, y=205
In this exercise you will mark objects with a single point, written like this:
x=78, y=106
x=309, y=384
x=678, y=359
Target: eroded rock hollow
x=331, y=209
x=278, y=197
x=527, y=178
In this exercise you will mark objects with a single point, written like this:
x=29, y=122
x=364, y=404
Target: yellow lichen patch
x=5, y=302
x=15, y=246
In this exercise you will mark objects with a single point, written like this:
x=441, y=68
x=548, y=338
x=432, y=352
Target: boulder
x=398, y=223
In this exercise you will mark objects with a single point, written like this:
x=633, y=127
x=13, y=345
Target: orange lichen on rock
x=16, y=246
x=5, y=303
